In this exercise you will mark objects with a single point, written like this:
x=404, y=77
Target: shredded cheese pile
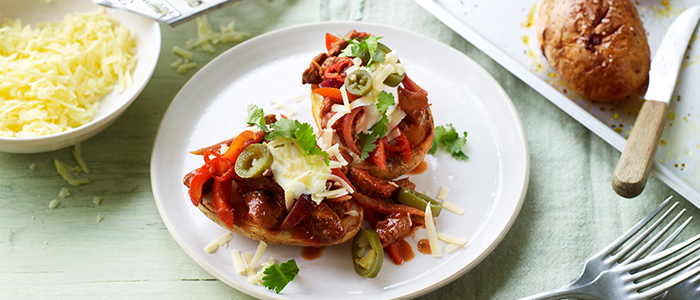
x=53, y=76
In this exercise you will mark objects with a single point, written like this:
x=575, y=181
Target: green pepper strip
x=420, y=201
x=367, y=265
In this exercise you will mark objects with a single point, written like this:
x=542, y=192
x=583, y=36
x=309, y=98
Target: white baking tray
x=503, y=30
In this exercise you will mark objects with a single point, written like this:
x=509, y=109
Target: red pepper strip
x=402, y=146
x=348, y=133
x=337, y=70
x=378, y=155
x=330, y=40
x=342, y=176
x=243, y=140
x=196, y=184
x=220, y=168
x=386, y=208
x=412, y=86
x=334, y=94
x=221, y=192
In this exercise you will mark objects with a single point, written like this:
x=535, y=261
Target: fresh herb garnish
x=302, y=133
x=366, y=48
x=367, y=144
x=278, y=276
x=449, y=139
x=368, y=141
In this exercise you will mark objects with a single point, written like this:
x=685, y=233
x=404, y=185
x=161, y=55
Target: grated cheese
x=452, y=247
x=176, y=63
x=63, y=170
x=77, y=153
x=183, y=68
x=432, y=233
x=53, y=76
x=239, y=264
x=64, y=192
x=214, y=245
x=182, y=53
x=451, y=239
x=442, y=194
x=254, y=261
x=54, y=203
x=453, y=208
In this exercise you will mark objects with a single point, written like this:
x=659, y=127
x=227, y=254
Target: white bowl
x=113, y=104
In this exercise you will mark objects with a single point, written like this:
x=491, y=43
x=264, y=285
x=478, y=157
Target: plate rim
x=522, y=192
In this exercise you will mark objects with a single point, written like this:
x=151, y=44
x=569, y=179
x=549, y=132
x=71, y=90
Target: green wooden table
x=569, y=213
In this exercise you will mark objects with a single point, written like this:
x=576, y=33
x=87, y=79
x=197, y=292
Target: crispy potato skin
x=395, y=166
x=598, y=46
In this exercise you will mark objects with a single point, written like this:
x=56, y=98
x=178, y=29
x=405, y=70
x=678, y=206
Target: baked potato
x=264, y=187
x=352, y=70
x=599, y=47
x=297, y=236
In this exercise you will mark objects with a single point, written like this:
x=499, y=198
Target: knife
x=632, y=170
x=172, y=12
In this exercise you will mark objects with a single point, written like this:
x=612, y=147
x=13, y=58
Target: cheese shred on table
x=53, y=76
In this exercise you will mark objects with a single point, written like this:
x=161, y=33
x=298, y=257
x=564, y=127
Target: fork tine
x=653, y=240
x=632, y=231
x=665, y=264
x=659, y=256
x=674, y=281
x=673, y=236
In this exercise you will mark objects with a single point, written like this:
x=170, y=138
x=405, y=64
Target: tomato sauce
x=424, y=246
x=311, y=253
x=400, y=252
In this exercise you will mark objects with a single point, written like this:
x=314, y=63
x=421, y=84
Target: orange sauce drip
x=404, y=252
x=419, y=169
x=311, y=253
x=424, y=246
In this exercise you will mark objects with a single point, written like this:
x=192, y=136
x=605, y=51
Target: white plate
x=491, y=186
x=113, y=104
x=502, y=32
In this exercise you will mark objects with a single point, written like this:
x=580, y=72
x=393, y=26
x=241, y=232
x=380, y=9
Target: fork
x=642, y=279
x=605, y=259
x=688, y=289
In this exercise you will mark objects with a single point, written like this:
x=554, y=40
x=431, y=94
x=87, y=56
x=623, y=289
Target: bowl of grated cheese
x=68, y=69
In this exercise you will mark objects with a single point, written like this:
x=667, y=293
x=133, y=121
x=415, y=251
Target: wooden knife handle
x=633, y=168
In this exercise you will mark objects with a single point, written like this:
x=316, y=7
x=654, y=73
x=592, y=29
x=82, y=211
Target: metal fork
x=606, y=260
x=688, y=289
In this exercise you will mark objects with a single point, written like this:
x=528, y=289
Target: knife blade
x=172, y=12
x=633, y=167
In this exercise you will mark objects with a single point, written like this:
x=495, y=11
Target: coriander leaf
x=353, y=49
x=256, y=117
x=450, y=140
x=278, y=276
x=384, y=100
x=373, y=51
x=367, y=49
x=381, y=128
x=286, y=128
x=306, y=138
x=367, y=144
